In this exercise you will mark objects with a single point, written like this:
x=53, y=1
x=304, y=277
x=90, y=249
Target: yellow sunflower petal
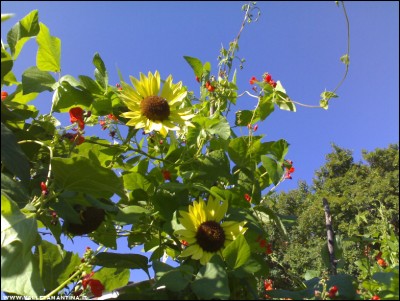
x=221, y=211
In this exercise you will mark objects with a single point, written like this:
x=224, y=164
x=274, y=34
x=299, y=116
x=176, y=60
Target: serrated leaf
x=35, y=80
x=48, y=57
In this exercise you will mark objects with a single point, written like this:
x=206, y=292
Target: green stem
x=40, y=261
x=62, y=285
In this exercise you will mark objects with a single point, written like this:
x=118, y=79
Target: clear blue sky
x=299, y=43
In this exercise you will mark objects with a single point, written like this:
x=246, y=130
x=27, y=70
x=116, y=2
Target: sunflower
x=152, y=110
x=204, y=233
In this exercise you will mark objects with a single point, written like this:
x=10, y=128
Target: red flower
x=247, y=197
x=263, y=243
x=272, y=83
x=255, y=128
x=76, y=115
x=185, y=243
x=112, y=117
x=332, y=292
x=253, y=80
x=43, y=186
x=197, y=79
x=268, y=79
x=95, y=285
x=289, y=171
x=103, y=124
x=166, y=175
x=118, y=87
x=268, y=285
x=209, y=87
x=4, y=95
x=375, y=297
x=382, y=262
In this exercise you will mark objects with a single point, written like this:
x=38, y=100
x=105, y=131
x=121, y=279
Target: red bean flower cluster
x=268, y=79
x=380, y=261
x=95, y=285
x=289, y=170
x=333, y=291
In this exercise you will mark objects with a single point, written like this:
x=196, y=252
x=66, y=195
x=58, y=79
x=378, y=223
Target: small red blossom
x=253, y=80
x=118, y=86
x=288, y=176
x=268, y=285
x=76, y=115
x=375, y=297
x=272, y=83
x=289, y=170
x=185, y=243
x=333, y=291
x=4, y=95
x=95, y=285
x=103, y=124
x=255, y=128
x=263, y=243
x=43, y=186
x=112, y=117
x=382, y=262
x=209, y=87
x=197, y=79
x=267, y=77
x=247, y=197
x=166, y=175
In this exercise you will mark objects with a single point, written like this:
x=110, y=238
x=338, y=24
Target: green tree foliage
x=364, y=203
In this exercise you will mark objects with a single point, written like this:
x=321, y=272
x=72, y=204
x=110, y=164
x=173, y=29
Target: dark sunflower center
x=155, y=108
x=210, y=236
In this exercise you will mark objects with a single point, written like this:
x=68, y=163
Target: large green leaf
x=124, y=261
x=237, y=252
x=112, y=278
x=67, y=96
x=196, y=65
x=130, y=214
x=218, y=126
x=14, y=191
x=274, y=169
x=49, y=53
x=6, y=64
x=12, y=156
x=21, y=32
x=175, y=279
x=35, y=80
x=212, y=281
x=58, y=264
x=237, y=150
x=19, y=269
x=83, y=175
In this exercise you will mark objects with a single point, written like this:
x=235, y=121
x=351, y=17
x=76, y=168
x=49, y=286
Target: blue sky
x=299, y=43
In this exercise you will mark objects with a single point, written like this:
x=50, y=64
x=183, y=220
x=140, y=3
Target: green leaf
x=130, y=215
x=212, y=281
x=91, y=85
x=275, y=218
x=237, y=151
x=5, y=17
x=219, y=126
x=124, y=261
x=274, y=169
x=105, y=235
x=83, y=175
x=21, y=32
x=323, y=103
x=14, y=190
x=243, y=118
x=265, y=108
x=112, y=278
x=49, y=53
x=345, y=59
x=58, y=264
x=175, y=279
x=277, y=149
x=6, y=64
x=196, y=65
x=100, y=72
x=19, y=269
x=237, y=252
x=67, y=96
x=34, y=80
x=12, y=155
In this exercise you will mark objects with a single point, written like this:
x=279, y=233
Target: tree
x=364, y=202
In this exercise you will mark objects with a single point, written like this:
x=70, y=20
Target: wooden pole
x=330, y=235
